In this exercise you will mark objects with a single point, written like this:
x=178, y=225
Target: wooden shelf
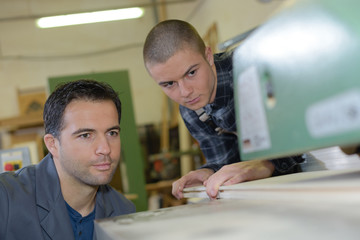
x=165, y=184
x=22, y=121
x=170, y=155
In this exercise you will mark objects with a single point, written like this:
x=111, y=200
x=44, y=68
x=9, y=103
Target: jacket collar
x=104, y=207
x=53, y=215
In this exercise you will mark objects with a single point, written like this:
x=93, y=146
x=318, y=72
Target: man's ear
x=50, y=142
x=209, y=56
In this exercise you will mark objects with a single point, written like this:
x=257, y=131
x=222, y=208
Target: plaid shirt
x=220, y=150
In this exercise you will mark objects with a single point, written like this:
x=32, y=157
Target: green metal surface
x=130, y=144
x=297, y=83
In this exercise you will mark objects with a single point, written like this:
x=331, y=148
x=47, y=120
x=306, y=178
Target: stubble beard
x=86, y=176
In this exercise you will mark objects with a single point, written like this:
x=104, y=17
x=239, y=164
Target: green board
x=296, y=78
x=130, y=144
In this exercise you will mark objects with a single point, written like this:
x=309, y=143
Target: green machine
x=297, y=80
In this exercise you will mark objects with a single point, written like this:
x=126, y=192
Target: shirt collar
x=224, y=91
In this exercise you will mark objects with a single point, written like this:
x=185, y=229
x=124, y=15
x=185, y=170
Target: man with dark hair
x=60, y=197
x=202, y=83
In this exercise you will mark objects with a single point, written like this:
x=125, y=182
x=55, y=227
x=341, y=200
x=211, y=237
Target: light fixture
x=90, y=17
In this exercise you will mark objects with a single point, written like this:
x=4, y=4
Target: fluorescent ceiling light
x=91, y=17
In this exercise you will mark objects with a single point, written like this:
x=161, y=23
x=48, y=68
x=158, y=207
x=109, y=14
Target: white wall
x=233, y=17
x=23, y=39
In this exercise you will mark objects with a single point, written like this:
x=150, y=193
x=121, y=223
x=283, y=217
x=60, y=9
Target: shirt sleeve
x=287, y=165
x=219, y=150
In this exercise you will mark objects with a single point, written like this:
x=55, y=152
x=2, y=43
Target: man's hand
x=236, y=173
x=193, y=178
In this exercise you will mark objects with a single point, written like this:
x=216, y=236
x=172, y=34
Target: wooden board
x=238, y=219
x=309, y=205
x=307, y=185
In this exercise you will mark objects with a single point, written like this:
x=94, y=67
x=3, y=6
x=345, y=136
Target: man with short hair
x=177, y=59
x=60, y=197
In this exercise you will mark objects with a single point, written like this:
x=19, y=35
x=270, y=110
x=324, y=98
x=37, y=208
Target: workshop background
x=30, y=57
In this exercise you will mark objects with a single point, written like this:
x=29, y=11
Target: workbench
x=320, y=204
x=283, y=214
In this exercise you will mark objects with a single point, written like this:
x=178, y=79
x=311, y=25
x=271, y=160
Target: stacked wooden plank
x=308, y=205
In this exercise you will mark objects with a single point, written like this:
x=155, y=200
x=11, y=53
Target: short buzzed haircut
x=168, y=37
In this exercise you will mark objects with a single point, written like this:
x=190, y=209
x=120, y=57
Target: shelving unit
x=35, y=120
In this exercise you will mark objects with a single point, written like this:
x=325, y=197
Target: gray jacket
x=32, y=205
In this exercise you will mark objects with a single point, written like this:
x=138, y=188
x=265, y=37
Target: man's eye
x=114, y=133
x=191, y=73
x=168, y=84
x=84, y=135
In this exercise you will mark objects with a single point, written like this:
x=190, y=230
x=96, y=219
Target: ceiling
x=21, y=39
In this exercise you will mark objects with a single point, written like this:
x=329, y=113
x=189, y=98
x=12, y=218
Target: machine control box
x=14, y=159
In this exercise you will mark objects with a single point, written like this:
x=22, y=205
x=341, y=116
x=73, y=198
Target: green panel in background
x=297, y=80
x=130, y=144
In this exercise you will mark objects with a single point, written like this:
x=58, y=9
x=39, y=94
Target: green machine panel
x=297, y=80
x=130, y=144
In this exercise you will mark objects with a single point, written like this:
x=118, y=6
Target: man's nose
x=103, y=146
x=185, y=88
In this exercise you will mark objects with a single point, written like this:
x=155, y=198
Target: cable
x=79, y=55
